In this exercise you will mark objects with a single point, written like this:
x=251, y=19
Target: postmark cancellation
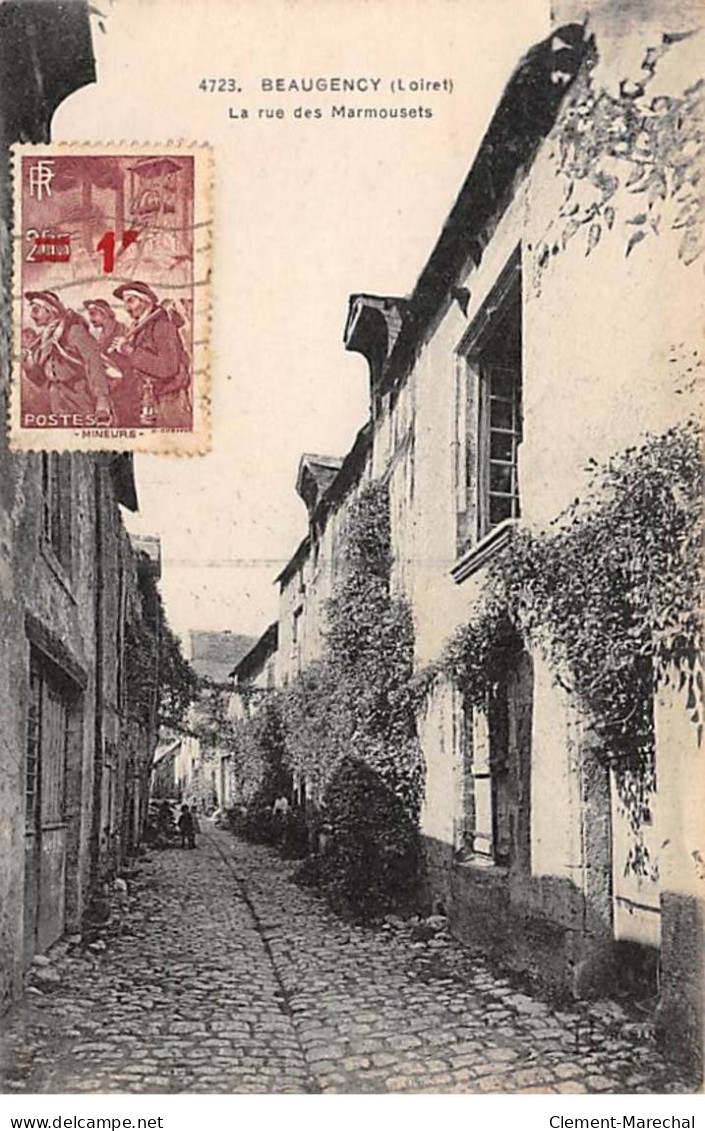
x=111, y=298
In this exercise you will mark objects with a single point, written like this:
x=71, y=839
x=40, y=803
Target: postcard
x=350, y=555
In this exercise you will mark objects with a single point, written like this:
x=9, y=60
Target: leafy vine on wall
x=161, y=684
x=610, y=593
x=357, y=700
x=635, y=153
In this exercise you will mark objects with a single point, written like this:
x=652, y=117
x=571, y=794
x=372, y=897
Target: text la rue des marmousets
x=365, y=86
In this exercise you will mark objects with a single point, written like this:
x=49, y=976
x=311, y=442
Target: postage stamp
x=111, y=298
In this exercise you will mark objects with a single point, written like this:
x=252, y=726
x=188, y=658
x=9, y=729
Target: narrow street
x=222, y=976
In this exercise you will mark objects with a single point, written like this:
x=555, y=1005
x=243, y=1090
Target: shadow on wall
x=680, y=1010
x=542, y=927
x=545, y=930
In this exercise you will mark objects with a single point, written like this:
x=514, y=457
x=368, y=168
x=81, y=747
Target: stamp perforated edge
x=151, y=441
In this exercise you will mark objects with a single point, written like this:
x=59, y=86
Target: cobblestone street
x=222, y=976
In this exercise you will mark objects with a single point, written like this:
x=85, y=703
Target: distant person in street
x=280, y=807
x=195, y=821
x=280, y=816
x=188, y=838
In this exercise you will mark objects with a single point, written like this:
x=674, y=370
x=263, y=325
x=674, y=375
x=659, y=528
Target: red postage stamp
x=111, y=298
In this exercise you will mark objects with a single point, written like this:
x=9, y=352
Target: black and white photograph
x=358, y=749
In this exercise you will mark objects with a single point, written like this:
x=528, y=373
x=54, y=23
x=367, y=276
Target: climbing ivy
x=160, y=683
x=317, y=724
x=610, y=593
x=613, y=588
x=478, y=656
x=631, y=159
x=359, y=699
x=177, y=681
x=261, y=763
x=140, y=659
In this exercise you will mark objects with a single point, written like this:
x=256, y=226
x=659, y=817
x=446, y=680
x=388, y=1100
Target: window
x=500, y=436
x=487, y=806
x=46, y=752
x=490, y=412
x=57, y=505
x=52, y=772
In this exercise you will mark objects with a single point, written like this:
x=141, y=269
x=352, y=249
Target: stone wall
x=45, y=54
x=66, y=610
x=307, y=585
x=680, y=768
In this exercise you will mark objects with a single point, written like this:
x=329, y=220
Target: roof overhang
x=122, y=473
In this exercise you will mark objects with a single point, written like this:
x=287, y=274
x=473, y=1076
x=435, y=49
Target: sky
x=306, y=212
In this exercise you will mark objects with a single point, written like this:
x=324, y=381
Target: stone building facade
x=325, y=484
x=253, y=678
x=164, y=783
x=255, y=674
x=528, y=348
x=200, y=764
x=78, y=735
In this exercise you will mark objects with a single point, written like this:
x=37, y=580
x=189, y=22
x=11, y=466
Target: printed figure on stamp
x=111, y=298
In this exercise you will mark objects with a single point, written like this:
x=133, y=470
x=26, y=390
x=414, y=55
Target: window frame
x=494, y=830
x=475, y=369
x=52, y=702
x=486, y=775
x=33, y=744
x=487, y=429
x=297, y=625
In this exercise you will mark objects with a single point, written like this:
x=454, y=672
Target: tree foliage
x=161, y=683
x=260, y=768
x=259, y=744
x=317, y=724
x=178, y=682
